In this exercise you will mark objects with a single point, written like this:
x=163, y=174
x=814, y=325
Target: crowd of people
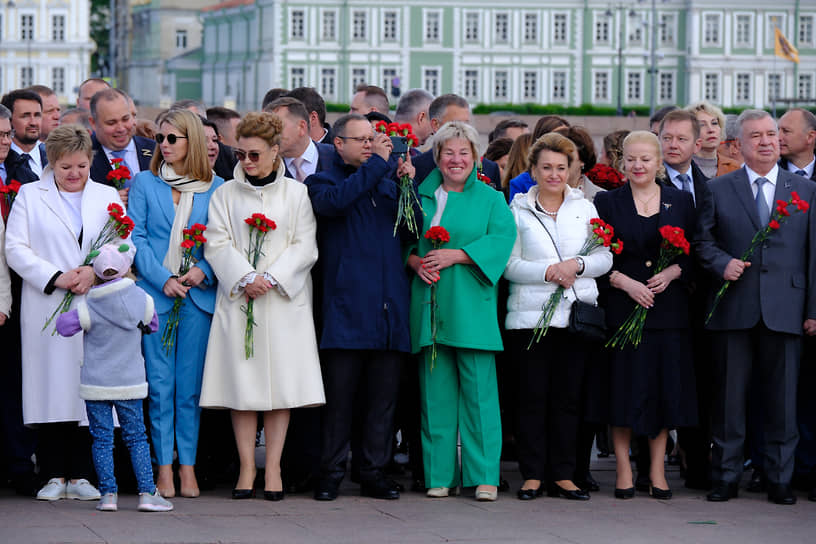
x=261, y=284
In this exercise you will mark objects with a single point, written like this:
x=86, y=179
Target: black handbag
x=586, y=320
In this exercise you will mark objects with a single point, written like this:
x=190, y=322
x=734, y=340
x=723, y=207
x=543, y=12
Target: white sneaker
x=54, y=490
x=154, y=502
x=108, y=503
x=82, y=490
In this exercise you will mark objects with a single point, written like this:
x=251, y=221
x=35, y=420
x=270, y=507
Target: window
x=26, y=76
x=633, y=87
x=530, y=86
x=666, y=92
x=805, y=86
x=430, y=80
x=500, y=85
x=602, y=29
x=711, y=91
x=329, y=26
x=181, y=39
x=471, y=84
x=530, y=28
x=471, y=27
x=559, y=86
x=777, y=20
x=359, y=29
x=743, y=88
x=328, y=82
x=806, y=30
x=389, y=74
x=636, y=25
x=58, y=80
x=296, y=24
x=27, y=30
x=502, y=27
x=358, y=77
x=667, y=33
x=560, y=28
x=742, y=33
x=774, y=86
x=432, y=24
x=58, y=28
x=601, y=86
x=390, y=26
x=711, y=29
x=297, y=77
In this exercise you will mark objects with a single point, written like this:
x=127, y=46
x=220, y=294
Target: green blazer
x=480, y=223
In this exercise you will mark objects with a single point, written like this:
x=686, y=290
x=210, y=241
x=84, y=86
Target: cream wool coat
x=40, y=243
x=285, y=370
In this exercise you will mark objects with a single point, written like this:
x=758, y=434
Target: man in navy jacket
x=365, y=296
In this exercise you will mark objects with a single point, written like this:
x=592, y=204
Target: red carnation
x=188, y=244
x=381, y=126
x=393, y=129
x=14, y=186
x=198, y=228
x=115, y=210
x=437, y=235
x=774, y=224
x=617, y=247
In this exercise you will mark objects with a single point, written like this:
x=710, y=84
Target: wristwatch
x=580, y=262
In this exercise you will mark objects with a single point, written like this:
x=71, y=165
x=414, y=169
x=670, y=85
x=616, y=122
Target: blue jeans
x=131, y=420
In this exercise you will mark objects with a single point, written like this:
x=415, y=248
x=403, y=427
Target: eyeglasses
x=253, y=156
x=7, y=134
x=362, y=139
x=171, y=138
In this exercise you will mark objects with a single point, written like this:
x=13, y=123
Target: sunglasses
x=171, y=138
x=254, y=156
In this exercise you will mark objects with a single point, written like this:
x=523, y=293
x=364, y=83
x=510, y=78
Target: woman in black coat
x=652, y=385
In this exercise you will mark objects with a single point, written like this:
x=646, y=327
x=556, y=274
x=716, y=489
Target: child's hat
x=115, y=259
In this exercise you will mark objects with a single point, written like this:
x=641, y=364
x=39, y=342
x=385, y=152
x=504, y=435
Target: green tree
x=100, y=24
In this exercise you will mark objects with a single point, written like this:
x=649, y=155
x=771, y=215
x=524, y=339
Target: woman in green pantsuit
x=458, y=390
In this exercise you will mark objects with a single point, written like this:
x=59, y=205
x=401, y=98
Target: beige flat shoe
x=438, y=492
x=487, y=495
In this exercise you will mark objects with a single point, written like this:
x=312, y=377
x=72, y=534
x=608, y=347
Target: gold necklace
x=645, y=203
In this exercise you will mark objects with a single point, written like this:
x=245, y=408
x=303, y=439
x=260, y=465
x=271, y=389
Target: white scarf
x=187, y=187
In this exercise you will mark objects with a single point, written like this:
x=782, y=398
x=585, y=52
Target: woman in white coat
x=284, y=371
x=50, y=230
x=551, y=372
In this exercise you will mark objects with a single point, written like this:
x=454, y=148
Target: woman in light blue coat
x=172, y=196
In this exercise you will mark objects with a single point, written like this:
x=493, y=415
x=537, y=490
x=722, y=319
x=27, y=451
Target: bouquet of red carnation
x=674, y=243
x=118, y=225
x=480, y=175
x=259, y=225
x=602, y=233
x=119, y=174
x=605, y=177
x=438, y=236
x=9, y=192
x=779, y=216
x=193, y=239
x=407, y=195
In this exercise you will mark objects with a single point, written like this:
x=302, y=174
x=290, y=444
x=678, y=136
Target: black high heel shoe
x=660, y=494
x=239, y=494
x=627, y=493
x=530, y=494
x=273, y=495
x=555, y=490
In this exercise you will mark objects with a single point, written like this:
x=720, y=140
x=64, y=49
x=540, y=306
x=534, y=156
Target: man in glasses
x=112, y=121
x=364, y=310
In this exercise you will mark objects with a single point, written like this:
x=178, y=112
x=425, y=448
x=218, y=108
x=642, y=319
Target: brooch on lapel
x=667, y=205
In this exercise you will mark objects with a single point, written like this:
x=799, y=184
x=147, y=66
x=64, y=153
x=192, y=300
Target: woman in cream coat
x=50, y=230
x=284, y=371
x=551, y=372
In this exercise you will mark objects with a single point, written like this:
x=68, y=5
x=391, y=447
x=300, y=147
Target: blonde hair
x=67, y=139
x=554, y=142
x=517, y=158
x=195, y=164
x=709, y=108
x=645, y=137
x=264, y=125
x=451, y=131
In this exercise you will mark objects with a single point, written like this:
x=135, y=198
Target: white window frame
x=602, y=23
x=388, y=77
x=556, y=38
x=536, y=84
x=635, y=29
x=505, y=85
x=328, y=16
x=638, y=97
x=432, y=31
x=668, y=29
x=751, y=31
x=58, y=79
x=564, y=91
x=712, y=29
x=330, y=95
x=359, y=76
x=26, y=76
x=27, y=32
x=806, y=34
x=670, y=97
x=715, y=77
x=297, y=28
x=473, y=33
x=780, y=78
x=536, y=24
x=181, y=39
x=605, y=76
x=58, y=30
x=502, y=31
x=805, y=83
x=471, y=78
x=359, y=25
x=437, y=86
x=391, y=30
x=738, y=98
x=770, y=35
x=297, y=77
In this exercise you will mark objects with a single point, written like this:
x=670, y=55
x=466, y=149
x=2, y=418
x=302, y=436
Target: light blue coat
x=150, y=205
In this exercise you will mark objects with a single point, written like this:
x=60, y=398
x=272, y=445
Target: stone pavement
x=214, y=517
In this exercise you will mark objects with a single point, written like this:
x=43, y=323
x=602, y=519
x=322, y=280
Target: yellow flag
x=783, y=48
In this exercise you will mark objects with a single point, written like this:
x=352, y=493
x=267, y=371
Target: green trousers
x=460, y=394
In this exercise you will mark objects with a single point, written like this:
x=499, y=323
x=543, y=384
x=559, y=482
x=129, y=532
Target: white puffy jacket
x=533, y=253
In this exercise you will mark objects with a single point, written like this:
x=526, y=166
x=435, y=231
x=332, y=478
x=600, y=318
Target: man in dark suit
x=27, y=153
x=319, y=130
x=446, y=108
x=112, y=122
x=758, y=324
x=302, y=156
x=797, y=136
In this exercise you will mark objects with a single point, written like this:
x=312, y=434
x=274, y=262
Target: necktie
x=24, y=159
x=121, y=155
x=801, y=173
x=299, y=174
x=685, y=183
x=762, y=206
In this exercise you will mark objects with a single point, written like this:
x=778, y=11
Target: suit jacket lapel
x=746, y=197
x=165, y=198
x=627, y=208
x=145, y=155
x=49, y=194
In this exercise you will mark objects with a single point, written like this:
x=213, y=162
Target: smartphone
x=400, y=144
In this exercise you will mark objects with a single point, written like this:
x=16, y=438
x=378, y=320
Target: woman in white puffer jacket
x=551, y=372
